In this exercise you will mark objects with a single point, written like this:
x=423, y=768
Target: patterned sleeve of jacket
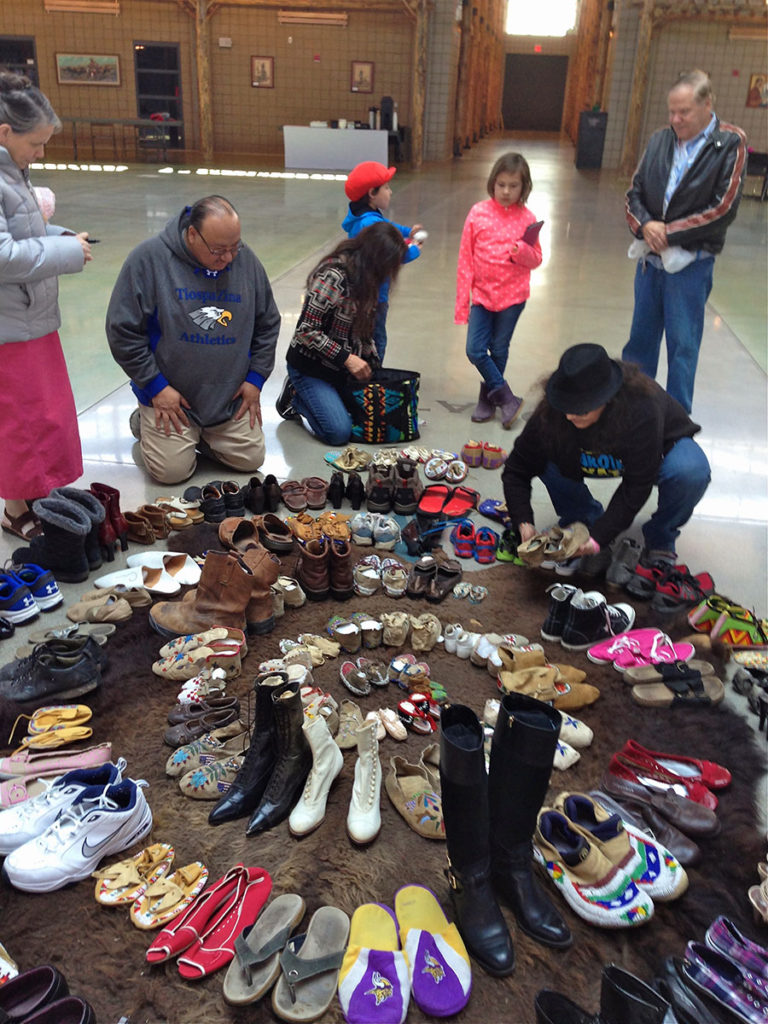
x=324, y=326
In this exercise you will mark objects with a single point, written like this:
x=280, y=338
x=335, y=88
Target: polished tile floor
x=582, y=292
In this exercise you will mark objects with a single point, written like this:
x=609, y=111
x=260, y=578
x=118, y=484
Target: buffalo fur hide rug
x=102, y=953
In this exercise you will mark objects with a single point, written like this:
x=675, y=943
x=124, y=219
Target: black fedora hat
x=585, y=379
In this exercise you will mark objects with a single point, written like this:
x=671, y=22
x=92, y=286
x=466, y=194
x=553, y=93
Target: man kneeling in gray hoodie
x=193, y=323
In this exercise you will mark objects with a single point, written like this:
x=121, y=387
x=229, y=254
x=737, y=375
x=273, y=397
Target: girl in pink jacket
x=496, y=257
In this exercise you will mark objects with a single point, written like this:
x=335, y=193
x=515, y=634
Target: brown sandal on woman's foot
x=26, y=526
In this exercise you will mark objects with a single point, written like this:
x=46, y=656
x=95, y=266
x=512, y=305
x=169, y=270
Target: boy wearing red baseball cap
x=369, y=193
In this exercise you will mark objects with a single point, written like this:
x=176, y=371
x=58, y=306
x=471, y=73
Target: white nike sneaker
x=25, y=821
x=95, y=825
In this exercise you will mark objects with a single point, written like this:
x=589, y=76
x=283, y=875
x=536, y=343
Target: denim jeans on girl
x=321, y=405
x=488, y=338
x=682, y=480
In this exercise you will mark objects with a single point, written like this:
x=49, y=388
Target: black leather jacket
x=707, y=198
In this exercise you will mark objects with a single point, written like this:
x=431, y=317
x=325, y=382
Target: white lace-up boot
x=364, y=817
x=327, y=762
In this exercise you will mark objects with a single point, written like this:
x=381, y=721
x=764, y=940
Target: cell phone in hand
x=531, y=234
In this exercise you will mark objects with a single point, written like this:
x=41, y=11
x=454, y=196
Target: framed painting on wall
x=758, y=90
x=263, y=72
x=361, y=76
x=87, y=69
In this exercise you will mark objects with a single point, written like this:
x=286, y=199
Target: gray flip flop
x=100, y=631
x=310, y=964
x=256, y=965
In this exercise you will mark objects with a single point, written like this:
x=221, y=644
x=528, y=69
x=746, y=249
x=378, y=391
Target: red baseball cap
x=365, y=176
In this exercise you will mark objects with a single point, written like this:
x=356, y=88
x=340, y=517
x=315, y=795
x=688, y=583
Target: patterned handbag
x=385, y=409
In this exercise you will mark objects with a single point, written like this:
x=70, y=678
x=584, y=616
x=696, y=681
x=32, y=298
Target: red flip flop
x=216, y=946
x=433, y=498
x=462, y=501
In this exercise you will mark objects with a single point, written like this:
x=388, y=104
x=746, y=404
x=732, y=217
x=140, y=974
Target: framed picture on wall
x=758, y=90
x=361, y=76
x=87, y=69
x=263, y=72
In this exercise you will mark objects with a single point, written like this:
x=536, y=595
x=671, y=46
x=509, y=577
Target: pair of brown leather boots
x=325, y=567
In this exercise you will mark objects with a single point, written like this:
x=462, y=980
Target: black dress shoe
x=355, y=491
x=272, y=493
x=70, y=1010
x=336, y=489
x=254, y=497
x=7, y=629
x=31, y=991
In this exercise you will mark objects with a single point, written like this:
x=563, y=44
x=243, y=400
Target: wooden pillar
x=419, y=82
x=462, y=86
x=631, y=149
x=203, y=61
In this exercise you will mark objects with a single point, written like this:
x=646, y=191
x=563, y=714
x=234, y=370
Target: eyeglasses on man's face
x=220, y=251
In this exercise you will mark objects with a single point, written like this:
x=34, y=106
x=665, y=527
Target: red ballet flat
x=638, y=769
x=711, y=774
x=216, y=946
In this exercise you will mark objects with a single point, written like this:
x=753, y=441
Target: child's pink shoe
x=660, y=651
x=607, y=651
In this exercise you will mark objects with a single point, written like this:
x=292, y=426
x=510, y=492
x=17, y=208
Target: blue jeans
x=380, y=330
x=671, y=304
x=682, y=480
x=488, y=338
x=321, y=405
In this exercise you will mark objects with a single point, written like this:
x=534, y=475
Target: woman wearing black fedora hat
x=602, y=419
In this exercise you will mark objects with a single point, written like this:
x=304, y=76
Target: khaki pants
x=172, y=459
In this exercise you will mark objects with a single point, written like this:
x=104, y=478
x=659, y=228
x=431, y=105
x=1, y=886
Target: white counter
x=332, y=149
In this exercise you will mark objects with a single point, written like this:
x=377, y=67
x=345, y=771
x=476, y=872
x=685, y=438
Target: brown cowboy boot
x=220, y=599
x=259, y=612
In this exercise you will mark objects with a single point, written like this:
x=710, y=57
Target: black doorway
x=17, y=53
x=534, y=90
x=158, y=86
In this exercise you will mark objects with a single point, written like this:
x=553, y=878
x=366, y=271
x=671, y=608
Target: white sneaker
x=27, y=820
x=98, y=823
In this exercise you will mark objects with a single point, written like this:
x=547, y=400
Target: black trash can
x=589, y=148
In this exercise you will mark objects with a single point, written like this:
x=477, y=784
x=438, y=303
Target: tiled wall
x=680, y=46
x=443, y=47
x=312, y=69
x=312, y=66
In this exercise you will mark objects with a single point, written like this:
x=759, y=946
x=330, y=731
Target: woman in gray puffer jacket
x=41, y=449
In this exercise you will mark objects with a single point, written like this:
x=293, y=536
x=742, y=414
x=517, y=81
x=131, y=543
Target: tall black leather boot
x=464, y=789
x=625, y=999
x=250, y=782
x=95, y=512
x=61, y=548
x=555, y=1008
x=522, y=751
x=294, y=761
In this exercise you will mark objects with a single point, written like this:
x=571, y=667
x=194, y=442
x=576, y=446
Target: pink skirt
x=39, y=439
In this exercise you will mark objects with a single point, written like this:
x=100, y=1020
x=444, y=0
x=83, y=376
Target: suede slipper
x=169, y=896
x=294, y=496
x=100, y=631
x=128, y=880
x=374, y=987
x=256, y=966
x=441, y=976
x=414, y=799
x=310, y=967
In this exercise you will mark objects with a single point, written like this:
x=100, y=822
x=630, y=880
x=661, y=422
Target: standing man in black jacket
x=684, y=194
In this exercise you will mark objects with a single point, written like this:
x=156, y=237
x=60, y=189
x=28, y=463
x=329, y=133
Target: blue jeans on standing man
x=671, y=304
x=488, y=338
x=682, y=480
x=321, y=405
